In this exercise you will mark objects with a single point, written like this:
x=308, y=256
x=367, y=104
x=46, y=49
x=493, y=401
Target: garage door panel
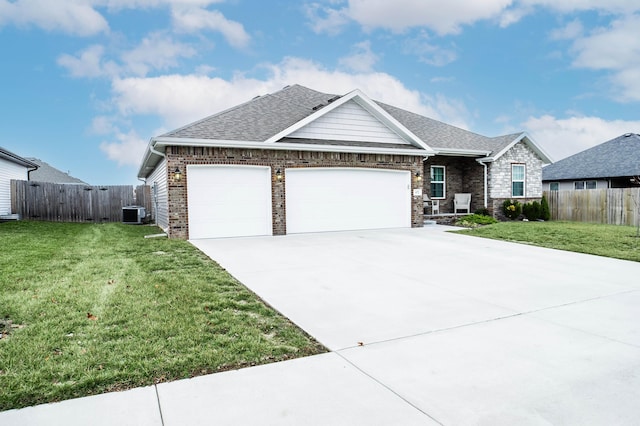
x=335, y=199
x=229, y=201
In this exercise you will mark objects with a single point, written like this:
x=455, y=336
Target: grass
x=89, y=308
x=619, y=242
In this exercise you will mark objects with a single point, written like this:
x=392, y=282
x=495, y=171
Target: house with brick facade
x=299, y=160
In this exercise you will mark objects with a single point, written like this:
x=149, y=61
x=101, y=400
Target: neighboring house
x=611, y=164
x=47, y=173
x=14, y=167
x=299, y=160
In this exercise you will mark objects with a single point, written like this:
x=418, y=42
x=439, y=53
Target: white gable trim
x=529, y=142
x=370, y=106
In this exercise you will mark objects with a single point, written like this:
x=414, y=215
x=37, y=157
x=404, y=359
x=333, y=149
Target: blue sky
x=86, y=83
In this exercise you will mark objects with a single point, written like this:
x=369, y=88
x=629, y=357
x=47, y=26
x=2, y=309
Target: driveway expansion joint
x=517, y=314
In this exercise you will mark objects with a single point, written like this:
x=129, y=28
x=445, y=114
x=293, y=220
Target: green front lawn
x=86, y=309
x=604, y=240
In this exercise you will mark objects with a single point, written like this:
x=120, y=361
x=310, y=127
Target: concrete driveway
x=454, y=329
x=424, y=327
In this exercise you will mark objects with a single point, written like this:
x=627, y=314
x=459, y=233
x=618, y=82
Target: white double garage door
x=233, y=201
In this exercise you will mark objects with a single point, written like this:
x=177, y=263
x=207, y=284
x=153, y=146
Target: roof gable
x=619, y=157
x=349, y=122
x=354, y=105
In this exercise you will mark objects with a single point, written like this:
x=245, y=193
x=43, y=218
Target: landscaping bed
x=92, y=308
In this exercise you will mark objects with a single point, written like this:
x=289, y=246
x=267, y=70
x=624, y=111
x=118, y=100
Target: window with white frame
x=437, y=182
x=585, y=184
x=518, y=173
x=554, y=186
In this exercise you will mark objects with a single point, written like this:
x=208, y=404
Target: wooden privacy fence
x=610, y=206
x=75, y=203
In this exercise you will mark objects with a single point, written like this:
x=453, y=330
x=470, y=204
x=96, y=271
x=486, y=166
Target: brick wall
x=462, y=175
x=180, y=157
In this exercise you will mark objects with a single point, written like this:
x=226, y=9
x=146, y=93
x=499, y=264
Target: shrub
x=482, y=212
x=531, y=211
x=545, y=213
x=511, y=209
x=475, y=220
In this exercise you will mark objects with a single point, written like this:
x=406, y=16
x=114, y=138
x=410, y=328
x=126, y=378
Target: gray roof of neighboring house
x=619, y=157
x=14, y=158
x=47, y=173
x=265, y=116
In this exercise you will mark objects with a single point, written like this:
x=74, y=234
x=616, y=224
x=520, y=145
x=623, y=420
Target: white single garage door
x=338, y=199
x=228, y=201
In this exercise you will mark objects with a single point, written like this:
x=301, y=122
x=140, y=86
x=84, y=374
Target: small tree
x=531, y=210
x=545, y=213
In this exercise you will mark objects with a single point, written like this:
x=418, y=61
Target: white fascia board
x=147, y=165
x=162, y=142
x=530, y=142
x=364, y=101
x=453, y=152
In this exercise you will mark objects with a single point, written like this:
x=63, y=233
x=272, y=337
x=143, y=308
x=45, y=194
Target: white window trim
x=584, y=184
x=524, y=181
x=556, y=183
x=443, y=181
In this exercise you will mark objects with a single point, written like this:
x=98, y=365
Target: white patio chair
x=462, y=202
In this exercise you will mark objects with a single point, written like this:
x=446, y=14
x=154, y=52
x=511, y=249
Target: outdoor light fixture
x=278, y=174
x=418, y=176
x=177, y=175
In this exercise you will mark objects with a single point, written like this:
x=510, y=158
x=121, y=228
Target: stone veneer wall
x=180, y=156
x=462, y=175
x=500, y=177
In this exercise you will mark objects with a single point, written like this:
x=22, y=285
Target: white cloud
x=193, y=19
x=617, y=49
x=562, y=137
x=76, y=17
x=572, y=30
x=362, y=60
x=88, y=63
x=103, y=125
x=569, y=6
x=446, y=17
x=441, y=17
x=127, y=150
x=155, y=52
x=325, y=19
x=181, y=99
x=428, y=52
